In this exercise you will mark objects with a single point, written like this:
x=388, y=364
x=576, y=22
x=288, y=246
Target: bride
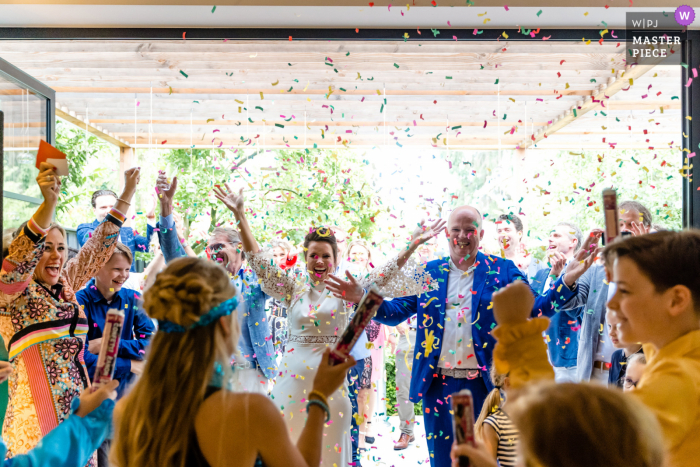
x=319, y=307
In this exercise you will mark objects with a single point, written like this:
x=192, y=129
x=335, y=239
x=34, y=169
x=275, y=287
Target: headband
x=222, y=309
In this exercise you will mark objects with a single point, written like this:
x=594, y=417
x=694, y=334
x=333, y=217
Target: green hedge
x=390, y=363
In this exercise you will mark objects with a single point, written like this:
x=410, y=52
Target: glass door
x=27, y=113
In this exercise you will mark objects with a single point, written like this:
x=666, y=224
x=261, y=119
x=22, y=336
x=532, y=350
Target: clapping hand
x=558, y=261
x=349, y=290
x=585, y=257
x=233, y=201
x=422, y=233
x=49, y=183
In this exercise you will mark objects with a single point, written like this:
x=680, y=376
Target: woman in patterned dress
x=41, y=323
x=319, y=307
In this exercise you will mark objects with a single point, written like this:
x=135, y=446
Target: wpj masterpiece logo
x=655, y=38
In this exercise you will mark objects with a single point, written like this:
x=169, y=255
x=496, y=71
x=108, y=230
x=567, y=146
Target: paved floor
x=382, y=453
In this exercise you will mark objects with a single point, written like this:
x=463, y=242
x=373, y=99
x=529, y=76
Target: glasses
x=629, y=383
x=215, y=247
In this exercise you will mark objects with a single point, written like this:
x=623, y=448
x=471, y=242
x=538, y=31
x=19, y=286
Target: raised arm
x=26, y=249
x=274, y=281
x=99, y=248
x=167, y=234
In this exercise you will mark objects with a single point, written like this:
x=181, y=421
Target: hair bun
x=182, y=299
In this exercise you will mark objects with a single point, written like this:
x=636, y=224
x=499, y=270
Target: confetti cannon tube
x=107, y=361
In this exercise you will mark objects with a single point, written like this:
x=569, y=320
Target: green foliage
x=92, y=164
x=553, y=186
x=390, y=366
x=287, y=191
x=306, y=189
x=197, y=171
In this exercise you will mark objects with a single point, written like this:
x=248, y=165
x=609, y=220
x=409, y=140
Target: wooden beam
x=355, y=92
x=95, y=131
x=594, y=103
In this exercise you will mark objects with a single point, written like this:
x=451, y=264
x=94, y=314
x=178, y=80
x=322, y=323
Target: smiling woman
x=320, y=306
x=40, y=320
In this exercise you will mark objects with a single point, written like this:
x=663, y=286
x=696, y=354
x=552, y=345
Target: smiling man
x=102, y=201
x=257, y=364
x=453, y=342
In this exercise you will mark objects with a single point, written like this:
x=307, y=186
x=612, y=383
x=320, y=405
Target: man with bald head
x=453, y=340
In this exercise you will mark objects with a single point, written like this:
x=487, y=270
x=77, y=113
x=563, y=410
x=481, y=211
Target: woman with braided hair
x=319, y=307
x=182, y=412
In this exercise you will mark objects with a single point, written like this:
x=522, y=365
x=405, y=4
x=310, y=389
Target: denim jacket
x=588, y=305
x=255, y=298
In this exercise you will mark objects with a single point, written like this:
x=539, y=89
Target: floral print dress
x=44, y=331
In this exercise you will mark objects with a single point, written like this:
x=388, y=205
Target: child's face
x=612, y=329
x=634, y=373
x=636, y=307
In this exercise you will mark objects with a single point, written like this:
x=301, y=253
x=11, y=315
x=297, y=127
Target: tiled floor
x=382, y=453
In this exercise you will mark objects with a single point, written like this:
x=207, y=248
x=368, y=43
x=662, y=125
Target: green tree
x=288, y=191
x=310, y=188
x=92, y=163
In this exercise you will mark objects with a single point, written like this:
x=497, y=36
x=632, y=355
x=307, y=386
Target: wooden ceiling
x=276, y=94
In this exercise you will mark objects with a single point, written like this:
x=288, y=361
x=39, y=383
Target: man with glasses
x=257, y=364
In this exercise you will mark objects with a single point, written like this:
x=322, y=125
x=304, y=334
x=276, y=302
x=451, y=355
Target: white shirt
x=457, y=348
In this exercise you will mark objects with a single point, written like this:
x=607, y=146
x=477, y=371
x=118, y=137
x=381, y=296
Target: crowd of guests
x=224, y=360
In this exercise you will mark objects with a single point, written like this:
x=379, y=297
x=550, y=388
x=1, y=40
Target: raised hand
x=513, y=303
x=349, y=290
x=234, y=202
x=638, y=228
x=151, y=209
x=132, y=177
x=166, y=192
x=585, y=257
x=422, y=233
x=558, y=261
x=49, y=183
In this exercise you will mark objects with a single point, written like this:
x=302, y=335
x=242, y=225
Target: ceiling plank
x=595, y=103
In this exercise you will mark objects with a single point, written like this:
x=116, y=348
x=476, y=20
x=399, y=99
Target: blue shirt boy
x=136, y=332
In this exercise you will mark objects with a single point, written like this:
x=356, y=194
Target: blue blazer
x=561, y=327
x=255, y=298
x=130, y=239
x=491, y=274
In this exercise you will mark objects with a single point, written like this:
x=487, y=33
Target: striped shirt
x=507, y=437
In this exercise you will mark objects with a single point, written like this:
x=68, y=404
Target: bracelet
x=320, y=404
x=319, y=395
x=119, y=199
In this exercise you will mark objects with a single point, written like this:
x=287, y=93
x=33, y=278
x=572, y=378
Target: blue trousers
x=437, y=418
x=354, y=388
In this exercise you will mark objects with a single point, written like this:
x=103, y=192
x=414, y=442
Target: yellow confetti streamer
x=428, y=302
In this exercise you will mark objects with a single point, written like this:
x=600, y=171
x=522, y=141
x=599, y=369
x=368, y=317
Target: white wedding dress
x=315, y=320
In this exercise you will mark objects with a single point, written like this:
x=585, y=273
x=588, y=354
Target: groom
x=257, y=364
x=453, y=341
